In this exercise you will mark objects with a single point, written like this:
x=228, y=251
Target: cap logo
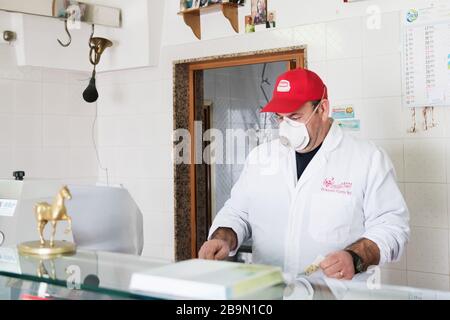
x=284, y=86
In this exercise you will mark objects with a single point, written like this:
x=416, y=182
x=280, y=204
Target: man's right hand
x=215, y=249
x=222, y=242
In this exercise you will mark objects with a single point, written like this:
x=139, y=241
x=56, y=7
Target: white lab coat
x=347, y=192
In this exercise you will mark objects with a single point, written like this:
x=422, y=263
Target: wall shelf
x=192, y=16
x=36, y=43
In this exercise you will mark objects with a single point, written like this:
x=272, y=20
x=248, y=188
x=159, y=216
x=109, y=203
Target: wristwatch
x=357, y=261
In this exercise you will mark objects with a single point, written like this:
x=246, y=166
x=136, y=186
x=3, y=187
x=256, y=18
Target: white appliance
x=104, y=218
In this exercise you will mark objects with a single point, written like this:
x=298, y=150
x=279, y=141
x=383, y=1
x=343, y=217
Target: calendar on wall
x=426, y=57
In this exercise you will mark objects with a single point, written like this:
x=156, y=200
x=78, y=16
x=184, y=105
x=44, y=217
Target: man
x=314, y=192
x=270, y=23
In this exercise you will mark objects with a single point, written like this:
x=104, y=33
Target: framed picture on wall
x=259, y=11
x=249, y=26
x=271, y=19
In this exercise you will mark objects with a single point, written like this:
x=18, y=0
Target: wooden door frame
x=184, y=71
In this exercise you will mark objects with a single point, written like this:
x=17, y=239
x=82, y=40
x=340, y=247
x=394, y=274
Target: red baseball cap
x=295, y=88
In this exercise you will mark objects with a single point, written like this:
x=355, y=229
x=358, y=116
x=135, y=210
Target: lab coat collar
x=333, y=138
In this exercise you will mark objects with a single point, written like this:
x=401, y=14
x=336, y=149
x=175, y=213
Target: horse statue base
x=35, y=248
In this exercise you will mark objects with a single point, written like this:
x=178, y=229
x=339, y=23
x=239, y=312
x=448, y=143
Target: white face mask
x=294, y=134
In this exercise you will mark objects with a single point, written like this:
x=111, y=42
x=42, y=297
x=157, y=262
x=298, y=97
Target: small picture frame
x=188, y=3
x=249, y=26
x=271, y=20
x=259, y=11
x=204, y=3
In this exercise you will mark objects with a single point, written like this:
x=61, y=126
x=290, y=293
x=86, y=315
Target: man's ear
x=325, y=106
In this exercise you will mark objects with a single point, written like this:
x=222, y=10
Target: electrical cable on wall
x=95, y=146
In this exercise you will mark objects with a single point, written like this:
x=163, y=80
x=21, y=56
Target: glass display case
x=83, y=275
x=96, y=275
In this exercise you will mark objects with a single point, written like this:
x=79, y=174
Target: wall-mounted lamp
x=97, y=46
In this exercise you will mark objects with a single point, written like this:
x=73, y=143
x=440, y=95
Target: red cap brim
x=283, y=106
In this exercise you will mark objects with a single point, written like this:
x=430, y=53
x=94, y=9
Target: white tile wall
x=425, y=160
x=44, y=123
x=344, y=79
x=381, y=76
x=28, y=158
x=135, y=139
x=27, y=130
x=56, y=131
x=56, y=96
x=344, y=38
x=447, y=155
x=81, y=131
x=380, y=117
x=428, y=204
x=6, y=129
x=394, y=277
x=28, y=98
x=54, y=163
x=428, y=250
x=428, y=280
x=314, y=36
x=82, y=162
x=7, y=94
x=382, y=39
x=6, y=161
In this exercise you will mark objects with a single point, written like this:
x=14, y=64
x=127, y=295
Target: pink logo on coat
x=330, y=185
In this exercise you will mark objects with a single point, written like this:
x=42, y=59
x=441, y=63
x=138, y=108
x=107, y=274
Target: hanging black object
x=90, y=95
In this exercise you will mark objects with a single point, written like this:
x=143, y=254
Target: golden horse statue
x=53, y=213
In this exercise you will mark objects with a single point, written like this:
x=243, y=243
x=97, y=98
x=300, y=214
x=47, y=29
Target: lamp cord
x=95, y=146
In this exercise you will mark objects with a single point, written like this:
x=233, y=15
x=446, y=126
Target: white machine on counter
x=103, y=218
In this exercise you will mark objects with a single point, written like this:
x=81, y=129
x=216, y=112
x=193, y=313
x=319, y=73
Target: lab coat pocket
x=330, y=217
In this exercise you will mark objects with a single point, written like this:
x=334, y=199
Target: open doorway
x=224, y=94
x=234, y=97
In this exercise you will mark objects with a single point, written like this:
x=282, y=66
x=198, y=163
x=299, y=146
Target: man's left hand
x=338, y=265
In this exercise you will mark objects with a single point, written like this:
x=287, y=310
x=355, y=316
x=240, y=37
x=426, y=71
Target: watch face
x=359, y=266
x=357, y=262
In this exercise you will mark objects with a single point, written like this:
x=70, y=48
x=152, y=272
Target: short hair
x=315, y=103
